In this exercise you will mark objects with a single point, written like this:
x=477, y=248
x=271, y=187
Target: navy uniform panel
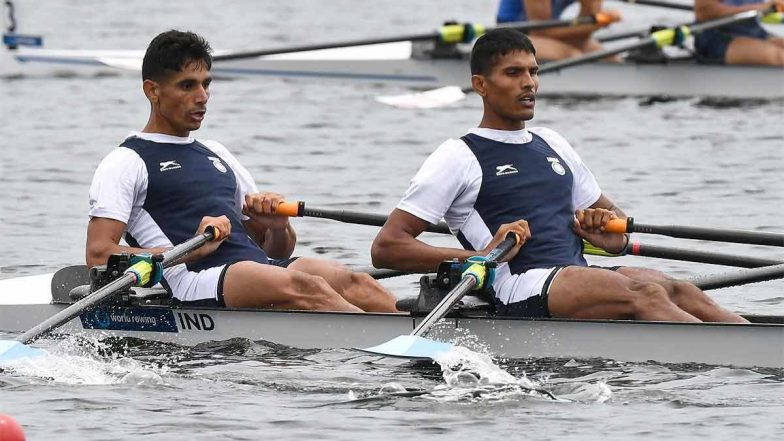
x=532, y=182
x=186, y=183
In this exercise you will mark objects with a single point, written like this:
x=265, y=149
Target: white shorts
x=190, y=286
x=519, y=287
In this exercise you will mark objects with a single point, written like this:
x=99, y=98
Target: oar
x=665, y=37
x=137, y=274
x=668, y=5
x=416, y=346
x=450, y=33
x=684, y=232
x=298, y=209
x=646, y=250
x=741, y=277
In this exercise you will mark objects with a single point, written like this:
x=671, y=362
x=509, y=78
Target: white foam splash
x=72, y=362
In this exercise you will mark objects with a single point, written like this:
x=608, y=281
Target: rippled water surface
x=331, y=144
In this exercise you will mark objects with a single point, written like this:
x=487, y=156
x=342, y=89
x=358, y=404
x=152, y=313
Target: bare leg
x=359, y=289
x=551, y=49
x=253, y=285
x=594, y=293
x=744, y=50
x=684, y=294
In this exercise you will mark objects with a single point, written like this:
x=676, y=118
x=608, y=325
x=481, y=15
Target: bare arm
x=607, y=204
x=710, y=9
x=273, y=233
x=590, y=225
x=103, y=238
x=277, y=243
x=542, y=10
x=396, y=245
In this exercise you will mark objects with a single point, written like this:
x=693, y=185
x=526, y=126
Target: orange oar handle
x=605, y=19
x=291, y=209
x=619, y=225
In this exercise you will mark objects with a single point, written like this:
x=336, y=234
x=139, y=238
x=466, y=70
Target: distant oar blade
x=430, y=99
x=410, y=346
x=11, y=350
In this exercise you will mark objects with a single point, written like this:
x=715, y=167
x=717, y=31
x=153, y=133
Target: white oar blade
x=430, y=99
x=11, y=350
x=410, y=346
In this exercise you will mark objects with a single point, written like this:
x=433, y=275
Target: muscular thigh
x=251, y=284
x=744, y=50
x=551, y=49
x=644, y=274
x=333, y=272
x=580, y=292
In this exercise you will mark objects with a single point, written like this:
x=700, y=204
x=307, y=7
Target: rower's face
x=181, y=98
x=509, y=90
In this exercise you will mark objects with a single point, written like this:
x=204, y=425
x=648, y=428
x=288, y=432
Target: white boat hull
x=754, y=345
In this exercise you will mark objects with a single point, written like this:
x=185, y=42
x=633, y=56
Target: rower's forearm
x=279, y=244
x=99, y=254
x=712, y=10
x=413, y=255
x=568, y=33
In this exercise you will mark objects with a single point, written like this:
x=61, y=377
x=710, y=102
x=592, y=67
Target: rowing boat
x=405, y=63
x=27, y=301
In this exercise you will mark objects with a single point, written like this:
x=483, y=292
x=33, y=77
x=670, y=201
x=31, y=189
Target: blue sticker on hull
x=129, y=319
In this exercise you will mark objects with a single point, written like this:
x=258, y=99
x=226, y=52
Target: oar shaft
x=126, y=281
x=445, y=306
x=661, y=4
x=64, y=316
x=298, y=209
x=685, y=232
x=447, y=30
x=741, y=277
x=462, y=288
x=639, y=249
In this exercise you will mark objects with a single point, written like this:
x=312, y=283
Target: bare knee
x=648, y=297
x=312, y=292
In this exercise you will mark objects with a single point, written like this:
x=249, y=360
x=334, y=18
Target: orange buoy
x=10, y=430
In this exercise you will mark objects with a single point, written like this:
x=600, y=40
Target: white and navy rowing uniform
x=161, y=187
x=711, y=44
x=491, y=177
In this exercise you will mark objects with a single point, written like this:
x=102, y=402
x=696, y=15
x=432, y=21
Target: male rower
x=501, y=178
x=557, y=43
x=162, y=186
x=739, y=43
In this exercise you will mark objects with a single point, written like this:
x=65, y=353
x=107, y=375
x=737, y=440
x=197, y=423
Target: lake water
x=332, y=145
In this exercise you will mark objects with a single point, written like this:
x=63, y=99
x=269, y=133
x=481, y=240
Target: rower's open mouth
x=527, y=99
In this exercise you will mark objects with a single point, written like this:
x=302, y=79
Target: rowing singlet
x=162, y=186
x=514, y=10
x=491, y=177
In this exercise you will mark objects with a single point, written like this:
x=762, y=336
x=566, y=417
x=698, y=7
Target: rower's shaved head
x=489, y=48
x=172, y=51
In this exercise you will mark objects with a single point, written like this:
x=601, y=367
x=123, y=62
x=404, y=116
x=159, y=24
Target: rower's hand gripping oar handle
x=291, y=209
x=620, y=226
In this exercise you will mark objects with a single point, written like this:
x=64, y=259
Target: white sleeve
x=119, y=185
x=585, y=189
x=443, y=178
x=245, y=182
